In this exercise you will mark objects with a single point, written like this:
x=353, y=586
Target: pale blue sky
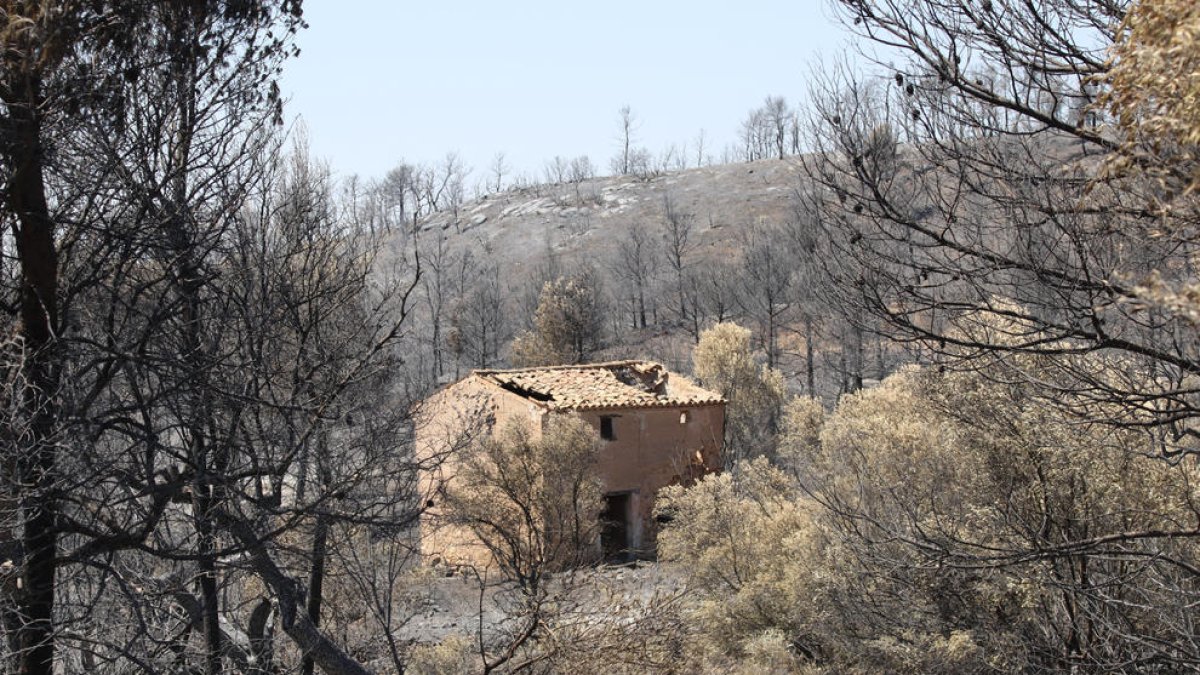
x=382, y=80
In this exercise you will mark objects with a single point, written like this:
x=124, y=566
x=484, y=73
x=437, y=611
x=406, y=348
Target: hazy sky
x=379, y=80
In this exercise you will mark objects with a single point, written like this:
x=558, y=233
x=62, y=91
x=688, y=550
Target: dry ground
x=448, y=605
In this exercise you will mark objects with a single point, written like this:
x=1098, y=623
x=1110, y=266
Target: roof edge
x=641, y=406
x=492, y=377
x=571, y=366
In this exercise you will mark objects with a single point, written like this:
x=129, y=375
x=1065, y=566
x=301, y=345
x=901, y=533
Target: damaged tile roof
x=593, y=386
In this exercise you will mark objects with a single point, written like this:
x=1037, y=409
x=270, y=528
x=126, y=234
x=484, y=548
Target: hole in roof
x=527, y=393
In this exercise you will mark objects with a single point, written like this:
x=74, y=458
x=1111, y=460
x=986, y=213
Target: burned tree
x=215, y=329
x=963, y=196
x=635, y=266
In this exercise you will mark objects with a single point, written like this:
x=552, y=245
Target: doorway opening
x=615, y=528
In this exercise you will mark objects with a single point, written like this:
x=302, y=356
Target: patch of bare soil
x=465, y=603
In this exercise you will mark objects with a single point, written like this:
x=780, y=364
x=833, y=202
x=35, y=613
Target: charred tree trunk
x=33, y=233
x=259, y=633
x=856, y=357
x=190, y=283
x=316, y=583
x=324, y=651
x=207, y=582
x=809, y=357
x=772, y=357
x=320, y=544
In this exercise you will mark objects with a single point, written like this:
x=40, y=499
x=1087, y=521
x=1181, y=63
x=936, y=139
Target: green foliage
x=800, y=432
x=944, y=522
x=748, y=545
x=723, y=361
x=568, y=323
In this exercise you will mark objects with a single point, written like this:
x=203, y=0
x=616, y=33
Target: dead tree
x=211, y=341
x=678, y=245
x=765, y=289
x=635, y=266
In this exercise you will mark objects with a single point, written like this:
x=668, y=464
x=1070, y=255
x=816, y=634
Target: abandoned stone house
x=656, y=429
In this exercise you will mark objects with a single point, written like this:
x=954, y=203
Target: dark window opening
x=606, y=428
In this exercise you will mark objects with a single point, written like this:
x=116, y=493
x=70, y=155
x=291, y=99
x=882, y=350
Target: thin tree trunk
x=209, y=599
x=320, y=546
x=642, y=306
x=843, y=371
x=437, y=348
x=316, y=583
x=880, y=367
x=857, y=358
x=809, y=357
x=190, y=282
x=33, y=233
x=683, y=317
x=771, y=357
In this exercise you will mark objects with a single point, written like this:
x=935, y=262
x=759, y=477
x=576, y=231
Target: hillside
x=741, y=265
x=516, y=225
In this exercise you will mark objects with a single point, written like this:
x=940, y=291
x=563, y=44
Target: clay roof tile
x=616, y=384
